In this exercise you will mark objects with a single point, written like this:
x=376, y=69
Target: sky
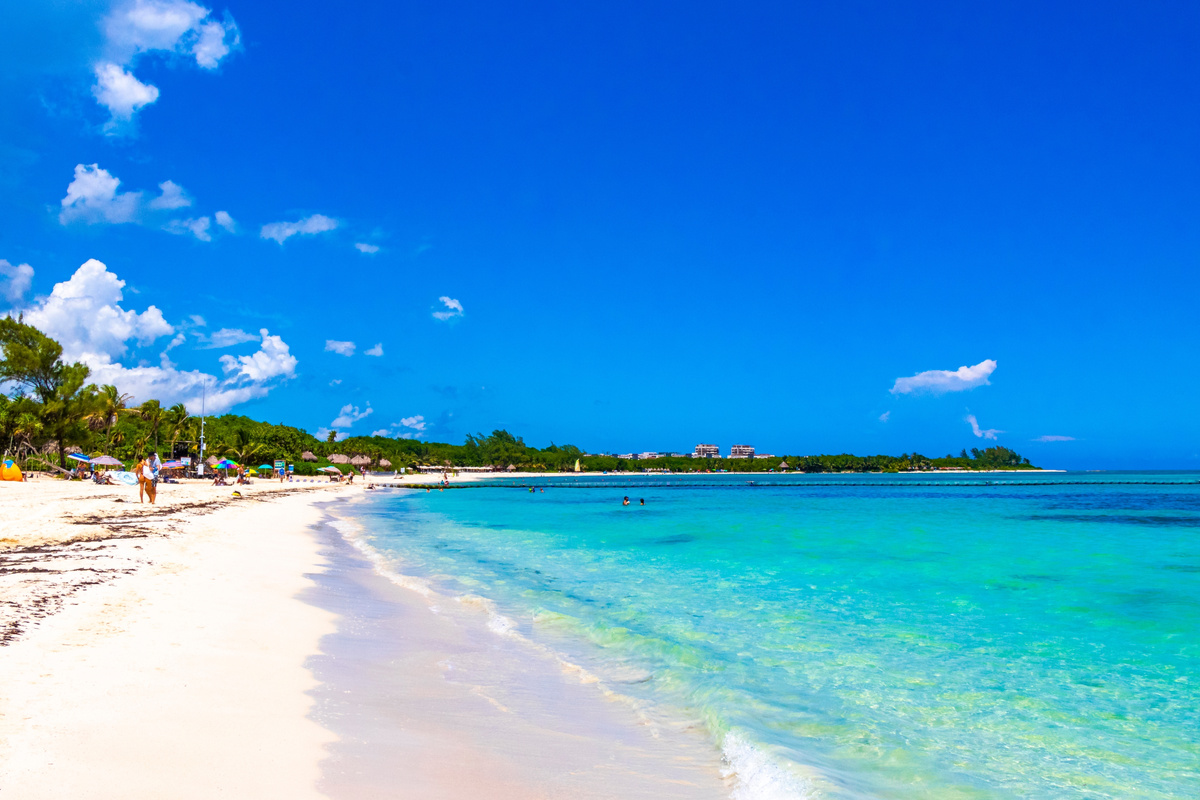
x=857, y=227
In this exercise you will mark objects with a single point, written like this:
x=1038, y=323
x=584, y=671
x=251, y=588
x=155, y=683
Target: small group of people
x=147, y=470
x=641, y=501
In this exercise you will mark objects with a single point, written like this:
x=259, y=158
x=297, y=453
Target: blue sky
x=652, y=224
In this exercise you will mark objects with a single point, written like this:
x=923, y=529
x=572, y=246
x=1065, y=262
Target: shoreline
x=209, y=646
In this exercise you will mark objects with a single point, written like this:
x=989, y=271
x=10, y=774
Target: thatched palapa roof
x=212, y=460
x=338, y=458
x=783, y=465
x=383, y=462
x=512, y=468
x=309, y=455
x=360, y=461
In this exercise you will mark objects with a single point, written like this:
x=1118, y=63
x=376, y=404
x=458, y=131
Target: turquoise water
x=878, y=636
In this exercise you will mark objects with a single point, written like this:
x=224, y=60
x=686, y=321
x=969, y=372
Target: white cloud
x=341, y=348
x=369, y=249
x=407, y=428
x=85, y=315
x=196, y=227
x=989, y=433
x=138, y=27
x=216, y=40
x=121, y=93
x=349, y=415
x=273, y=360
x=377, y=350
x=92, y=197
x=453, y=309
x=1055, y=439
x=940, y=381
x=282, y=231
x=225, y=221
x=19, y=279
x=885, y=416
x=416, y=423
x=225, y=337
x=335, y=382
x=172, y=196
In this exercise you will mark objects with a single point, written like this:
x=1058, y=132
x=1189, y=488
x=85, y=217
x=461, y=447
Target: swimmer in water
x=625, y=502
x=642, y=501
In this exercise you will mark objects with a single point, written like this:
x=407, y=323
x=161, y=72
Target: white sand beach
x=204, y=646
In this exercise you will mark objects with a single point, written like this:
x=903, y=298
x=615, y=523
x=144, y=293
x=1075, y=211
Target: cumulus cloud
x=171, y=196
x=225, y=221
x=174, y=28
x=377, y=350
x=121, y=93
x=1053, y=438
x=341, y=348
x=17, y=280
x=350, y=415
x=273, y=360
x=363, y=247
x=85, y=314
x=93, y=196
x=940, y=381
x=282, y=231
x=982, y=433
x=323, y=434
x=196, y=227
x=452, y=309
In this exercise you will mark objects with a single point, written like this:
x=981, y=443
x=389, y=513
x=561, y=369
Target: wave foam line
x=757, y=776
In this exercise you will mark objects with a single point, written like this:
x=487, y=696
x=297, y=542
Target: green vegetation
x=53, y=408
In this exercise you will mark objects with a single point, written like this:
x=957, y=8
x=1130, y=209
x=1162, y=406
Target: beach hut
x=783, y=465
x=338, y=458
x=309, y=455
x=211, y=460
x=383, y=462
x=512, y=468
x=360, y=461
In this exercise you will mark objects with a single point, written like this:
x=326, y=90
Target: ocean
x=1011, y=635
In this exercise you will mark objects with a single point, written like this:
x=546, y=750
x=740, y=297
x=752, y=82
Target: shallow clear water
x=880, y=636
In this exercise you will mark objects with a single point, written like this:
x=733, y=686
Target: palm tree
x=176, y=418
x=242, y=448
x=152, y=412
x=110, y=404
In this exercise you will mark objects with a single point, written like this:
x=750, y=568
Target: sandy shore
x=208, y=646
x=159, y=651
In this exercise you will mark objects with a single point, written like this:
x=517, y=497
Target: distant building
x=706, y=451
x=741, y=451
x=648, y=455
x=763, y=455
x=628, y=456
x=680, y=455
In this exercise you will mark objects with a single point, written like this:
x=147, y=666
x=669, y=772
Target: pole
x=203, y=398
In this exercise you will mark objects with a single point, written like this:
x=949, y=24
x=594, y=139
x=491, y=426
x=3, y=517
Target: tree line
x=50, y=407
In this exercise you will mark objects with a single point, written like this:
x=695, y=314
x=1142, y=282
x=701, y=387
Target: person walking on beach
x=145, y=478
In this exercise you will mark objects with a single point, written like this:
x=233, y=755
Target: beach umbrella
x=251, y=471
x=79, y=457
x=265, y=466
x=328, y=469
x=226, y=464
x=107, y=461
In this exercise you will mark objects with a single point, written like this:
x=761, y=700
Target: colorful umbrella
x=107, y=461
x=265, y=466
x=328, y=469
x=79, y=457
x=226, y=464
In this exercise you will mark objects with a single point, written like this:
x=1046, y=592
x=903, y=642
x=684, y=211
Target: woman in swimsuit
x=145, y=476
